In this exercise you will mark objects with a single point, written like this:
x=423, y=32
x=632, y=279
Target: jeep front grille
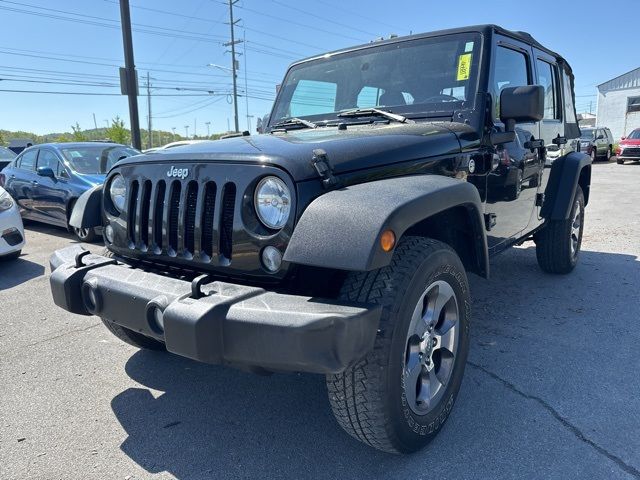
x=177, y=218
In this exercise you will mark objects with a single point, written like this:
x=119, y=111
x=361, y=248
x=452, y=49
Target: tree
x=116, y=132
x=77, y=134
x=62, y=138
x=1, y=139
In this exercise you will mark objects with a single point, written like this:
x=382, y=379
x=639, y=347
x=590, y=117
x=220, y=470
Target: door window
x=28, y=160
x=511, y=69
x=547, y=78
x=48, y=159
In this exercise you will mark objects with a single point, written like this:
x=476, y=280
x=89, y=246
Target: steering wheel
x=441, y=97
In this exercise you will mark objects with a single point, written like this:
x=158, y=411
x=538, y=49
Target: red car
x=629, y=147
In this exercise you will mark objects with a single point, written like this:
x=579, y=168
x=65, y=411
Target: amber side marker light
x=387, y=240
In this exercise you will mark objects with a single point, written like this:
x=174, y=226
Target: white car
x=11, y=229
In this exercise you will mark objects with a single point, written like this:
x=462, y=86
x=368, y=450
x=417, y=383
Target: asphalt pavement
x=551, y=390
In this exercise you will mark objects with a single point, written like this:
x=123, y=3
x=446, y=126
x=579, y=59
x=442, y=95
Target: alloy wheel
x=431, y=347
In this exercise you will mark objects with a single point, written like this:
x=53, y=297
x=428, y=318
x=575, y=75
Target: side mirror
x=623, y=138
x=46, y=172
x=521, y=105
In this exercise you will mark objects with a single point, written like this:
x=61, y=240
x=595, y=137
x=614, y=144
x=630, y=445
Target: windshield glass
x=426, y=75
x=635, y=135
x=6, y=154
x=95, y=159
x=587, y=133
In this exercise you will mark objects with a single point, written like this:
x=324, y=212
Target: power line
x=105, y=94
x=328, y=20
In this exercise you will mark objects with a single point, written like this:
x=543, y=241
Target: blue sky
x=76, y=46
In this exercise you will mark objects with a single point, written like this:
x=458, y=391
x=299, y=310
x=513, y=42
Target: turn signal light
x=387, y=240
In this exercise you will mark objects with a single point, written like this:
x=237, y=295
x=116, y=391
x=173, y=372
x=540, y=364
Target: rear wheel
x=398, y=397
x=609, y=153
x=558, y=243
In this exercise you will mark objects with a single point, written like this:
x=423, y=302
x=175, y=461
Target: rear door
x=20, y=181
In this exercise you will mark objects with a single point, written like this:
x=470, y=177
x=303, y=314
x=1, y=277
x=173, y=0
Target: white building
x=619, y=103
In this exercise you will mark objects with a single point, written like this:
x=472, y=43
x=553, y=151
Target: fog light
x=108, y=233
x=158, y=318
x=271, y=258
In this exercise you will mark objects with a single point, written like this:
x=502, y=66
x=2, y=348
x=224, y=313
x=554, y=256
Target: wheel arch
x=341, y=229
x=567, y=173
x=87, y=210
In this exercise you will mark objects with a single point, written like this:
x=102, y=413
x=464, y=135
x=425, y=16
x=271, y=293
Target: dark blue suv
x=47, y=179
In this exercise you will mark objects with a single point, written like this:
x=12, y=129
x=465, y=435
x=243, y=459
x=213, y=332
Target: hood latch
x=320, y=162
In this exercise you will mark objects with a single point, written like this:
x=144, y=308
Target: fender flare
x=341, y=229
x=87, y=210
x=566, y=173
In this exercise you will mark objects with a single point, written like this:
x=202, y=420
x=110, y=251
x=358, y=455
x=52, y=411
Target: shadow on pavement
x=15, y=272
x=201, y=421
x=47, y=229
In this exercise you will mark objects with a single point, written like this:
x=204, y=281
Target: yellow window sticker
x=464, y=67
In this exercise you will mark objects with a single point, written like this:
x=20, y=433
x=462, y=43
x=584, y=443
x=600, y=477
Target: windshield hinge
x=320, y=162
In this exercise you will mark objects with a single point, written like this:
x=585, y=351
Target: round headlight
x=118, y=192
x=272, y=201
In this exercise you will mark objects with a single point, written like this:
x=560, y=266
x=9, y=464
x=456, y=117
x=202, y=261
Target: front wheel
x=558, y=243
x=619, y=161
x=398, y=397
x=86, y=235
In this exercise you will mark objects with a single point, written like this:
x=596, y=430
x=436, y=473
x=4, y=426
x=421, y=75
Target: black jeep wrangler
x=339, y=242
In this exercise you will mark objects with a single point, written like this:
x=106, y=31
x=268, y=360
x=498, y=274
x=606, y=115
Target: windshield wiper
x=294, y=122
x=375, y=112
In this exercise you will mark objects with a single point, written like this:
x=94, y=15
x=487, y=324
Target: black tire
x=534, y=181
x=11, y=256
x=369, y=399
x=515, y=190
x=86, y=235
x=594, y=154
x=619, y=161
x=558, y=243
x=127, y=335
x=609, y=153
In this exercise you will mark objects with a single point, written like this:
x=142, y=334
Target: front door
x=50, y=194
x=511, y=188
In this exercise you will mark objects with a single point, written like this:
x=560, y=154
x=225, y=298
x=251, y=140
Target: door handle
x=34, y=182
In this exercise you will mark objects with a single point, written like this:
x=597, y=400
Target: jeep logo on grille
x=181, y=173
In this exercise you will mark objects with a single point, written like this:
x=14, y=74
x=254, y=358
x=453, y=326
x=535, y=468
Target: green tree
x=62, y=138
x=117, y=133
x=77, y=134
x=1, y=139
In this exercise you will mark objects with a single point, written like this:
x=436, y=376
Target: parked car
x=46, y=180
x=518, y=168
x=178, y=143
x=6, y=156
x=597, y=143
x=629, y=147
x=11, y=229
x=339, y=242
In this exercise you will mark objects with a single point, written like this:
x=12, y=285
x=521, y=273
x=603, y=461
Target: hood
x=629, y=141
x=357, y=147
x=93, y=179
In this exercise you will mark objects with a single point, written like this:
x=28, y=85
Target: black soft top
x=483, y=29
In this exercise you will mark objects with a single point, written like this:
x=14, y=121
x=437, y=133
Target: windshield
x=587, y=133
x=6, y=154
x=426, y=75
x=635, y=135
x=95, y=159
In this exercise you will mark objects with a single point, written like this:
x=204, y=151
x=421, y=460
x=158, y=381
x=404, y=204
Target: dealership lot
x=550, y=389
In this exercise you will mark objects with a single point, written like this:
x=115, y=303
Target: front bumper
x=11, y=231
x=218, y=323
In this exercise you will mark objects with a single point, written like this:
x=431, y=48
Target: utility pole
x=130, y=74
x=208, y=132
x=186, y=130
x=246, y=88
x=150, y=138
x=95, y=124
x=173, y=139
x=232, y=43
x=195, y=127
